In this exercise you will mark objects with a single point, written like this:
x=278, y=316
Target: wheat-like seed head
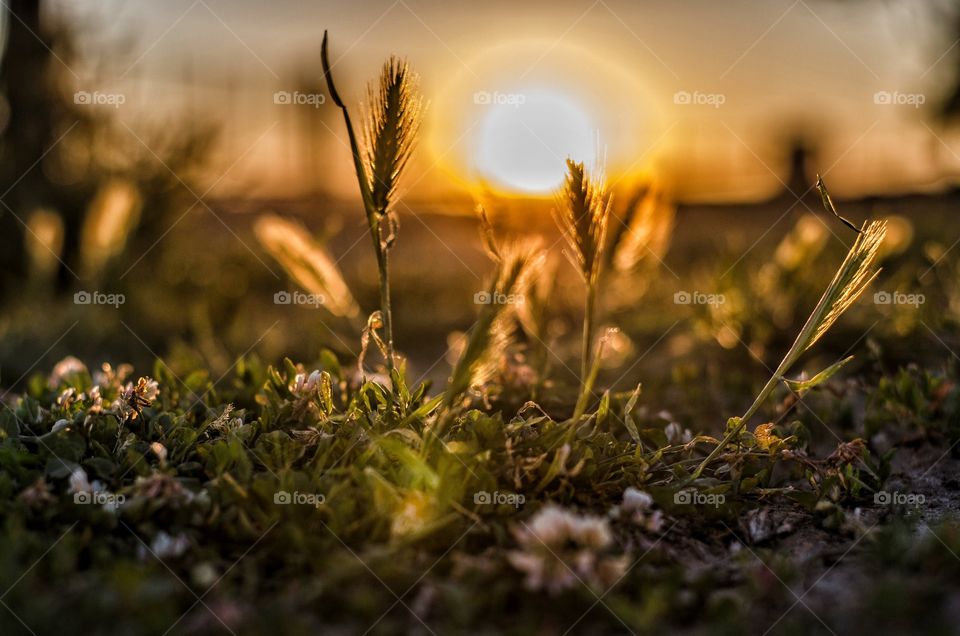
x=390, y=129
x=307, y=262
x=645, y=230
x=853, y=277
x=582, y=214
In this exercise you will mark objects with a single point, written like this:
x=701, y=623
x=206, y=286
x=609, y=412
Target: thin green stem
x=761, y=397
x=586, y=360
x=386, y=310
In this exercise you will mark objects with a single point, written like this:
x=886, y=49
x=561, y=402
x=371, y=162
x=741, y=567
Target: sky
x=701, y=95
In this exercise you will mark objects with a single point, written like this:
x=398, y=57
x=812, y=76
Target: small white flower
x=79, y=481
x=304, y=384
x=96, y=400
x=165, y=546
x=68, y=366
x=637, y=508
x=676, y=434
x=636, y=500
x=559, y=548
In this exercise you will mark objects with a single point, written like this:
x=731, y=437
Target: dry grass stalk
x=645, y=230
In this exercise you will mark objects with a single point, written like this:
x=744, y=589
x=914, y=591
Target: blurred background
x=140, y=143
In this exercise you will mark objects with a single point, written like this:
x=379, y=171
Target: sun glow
x=526, y=136
x=504, y=121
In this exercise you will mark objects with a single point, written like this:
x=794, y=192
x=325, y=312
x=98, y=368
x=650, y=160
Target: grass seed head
x=853, y=277
x=390, y=129
x=583, y=213
x=307, y=262
x=644, y=231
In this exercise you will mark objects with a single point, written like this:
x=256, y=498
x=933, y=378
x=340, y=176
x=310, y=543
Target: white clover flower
x=637, y=508
x=560, y=548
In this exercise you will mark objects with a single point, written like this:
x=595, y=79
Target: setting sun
x=525, y=138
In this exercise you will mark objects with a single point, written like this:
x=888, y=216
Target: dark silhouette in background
x=37, y=114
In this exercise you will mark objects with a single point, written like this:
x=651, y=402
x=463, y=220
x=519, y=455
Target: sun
x=525, y=138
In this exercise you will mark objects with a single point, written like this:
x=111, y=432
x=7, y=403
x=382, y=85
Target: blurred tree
x=57, y=155
x=35, y=116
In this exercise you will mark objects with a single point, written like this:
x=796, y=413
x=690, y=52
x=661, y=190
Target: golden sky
x=703, y=94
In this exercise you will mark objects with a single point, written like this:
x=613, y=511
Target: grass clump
x=313, y=476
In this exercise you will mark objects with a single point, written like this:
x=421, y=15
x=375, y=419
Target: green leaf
x=628, y=422
x=604, y=409
x=802, y=386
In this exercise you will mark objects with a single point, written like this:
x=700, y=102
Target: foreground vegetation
x=343, y=493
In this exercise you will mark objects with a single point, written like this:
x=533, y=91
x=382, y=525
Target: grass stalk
x=852, y=278
x=583, y=213
x=389, y=132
